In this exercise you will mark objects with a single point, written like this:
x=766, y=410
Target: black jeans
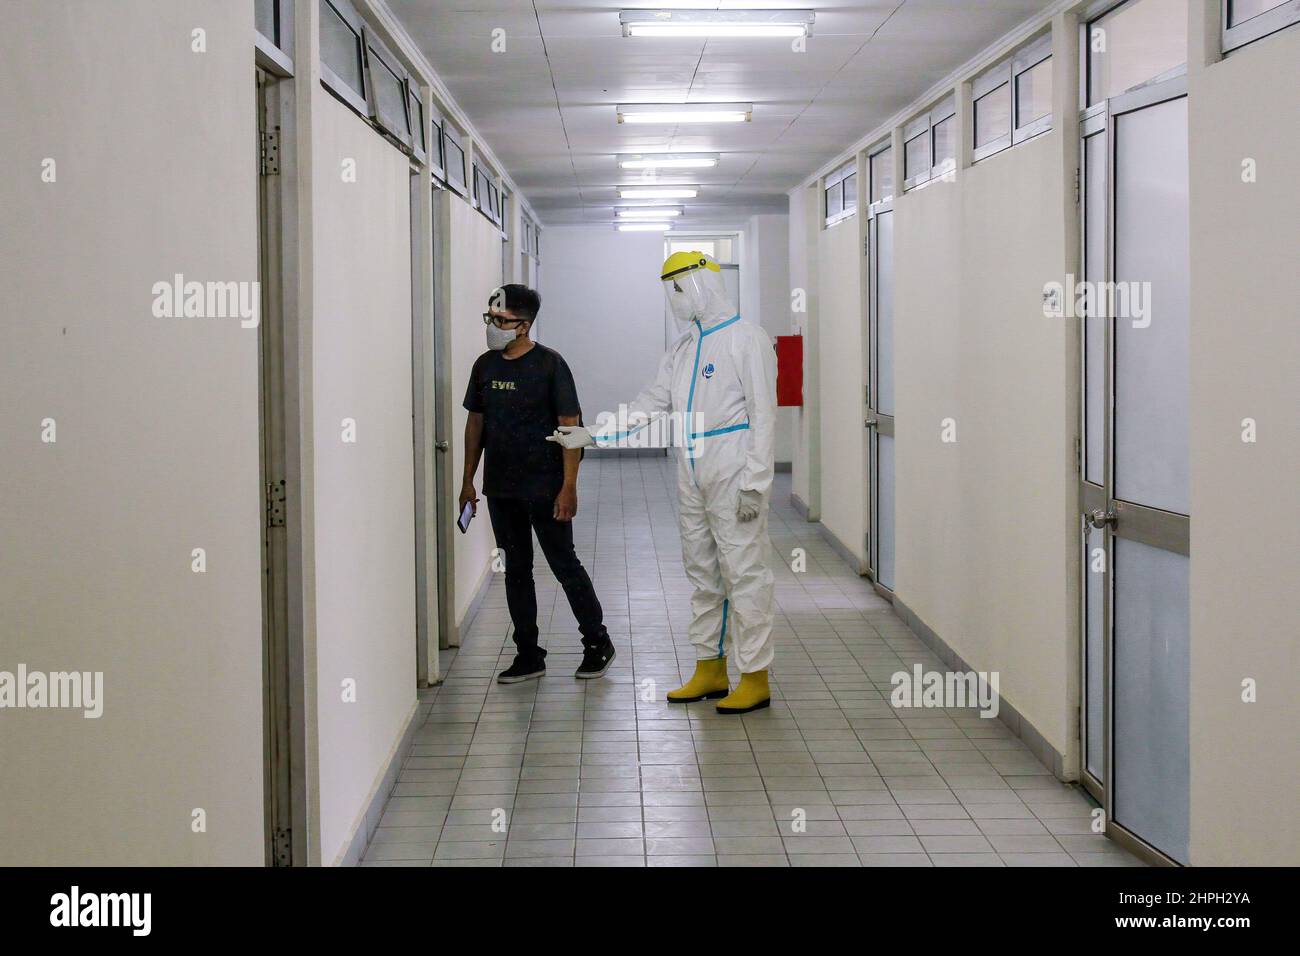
x=513, y=522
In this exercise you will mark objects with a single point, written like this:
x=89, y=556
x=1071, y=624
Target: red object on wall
x=789, y=370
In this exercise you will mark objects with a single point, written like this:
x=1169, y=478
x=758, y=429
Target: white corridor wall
x=603, y=310
x=471, y=270
x=156, y=450
x=364, y=489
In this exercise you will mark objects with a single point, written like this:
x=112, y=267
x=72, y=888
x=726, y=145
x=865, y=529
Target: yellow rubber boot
x=751, y=693
x=707, y=683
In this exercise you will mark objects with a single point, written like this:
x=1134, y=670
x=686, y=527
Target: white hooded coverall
x=720, y=378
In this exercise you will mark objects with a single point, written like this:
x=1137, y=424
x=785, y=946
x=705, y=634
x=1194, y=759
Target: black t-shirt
x=521, y=401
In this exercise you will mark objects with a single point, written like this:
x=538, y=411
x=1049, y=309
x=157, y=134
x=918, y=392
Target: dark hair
x=524, y=302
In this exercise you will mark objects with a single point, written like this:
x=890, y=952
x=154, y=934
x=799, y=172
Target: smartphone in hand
x=466, y=514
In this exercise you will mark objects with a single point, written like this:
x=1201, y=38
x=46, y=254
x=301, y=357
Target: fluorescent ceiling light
x=716, y=23
x=684, y=112
x=643, y=227
x=648, y=212
x=657, y=192
x=669, y=161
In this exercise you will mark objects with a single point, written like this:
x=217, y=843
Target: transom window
x=930, y=144
x=840, y=193
x=1012, y=102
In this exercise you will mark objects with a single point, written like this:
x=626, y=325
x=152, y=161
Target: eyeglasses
x=501, y=321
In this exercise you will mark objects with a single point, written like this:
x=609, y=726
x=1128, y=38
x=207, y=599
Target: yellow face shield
x=693, y=286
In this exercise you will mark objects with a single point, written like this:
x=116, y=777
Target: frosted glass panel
x=340, y=48
x=264, y=19
x=1034, y=93
x=1094, y=325
x=885, y=510
x=882, y=175
x=916, y=155
x=884, y=280
x=1094, y=674
x=416, y=110
x=993, y=115
x=1151, y=772
x=390, y=96
x=1133, y=44
x=945, y=143
x=1243, y=10
x=1151, y=340
x=834, y=200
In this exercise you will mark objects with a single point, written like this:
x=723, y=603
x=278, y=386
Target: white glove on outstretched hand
x=750, y=503
x=571, y=436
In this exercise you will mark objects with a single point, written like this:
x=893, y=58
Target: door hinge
x=282, y=848
x=1078, y=185
x=270, y=151
x=275, y=504
x=1078, y=455
x=866, y=245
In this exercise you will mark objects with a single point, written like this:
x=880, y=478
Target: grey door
x=1134, y=489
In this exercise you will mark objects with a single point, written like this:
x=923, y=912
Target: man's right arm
x=473, y=452
x=473, y=439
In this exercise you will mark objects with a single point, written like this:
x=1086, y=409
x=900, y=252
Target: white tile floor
x=559, y=772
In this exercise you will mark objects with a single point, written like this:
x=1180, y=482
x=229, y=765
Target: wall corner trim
x=843, y=550
x=480, y=594
x=1016, y=723
x=368, y=821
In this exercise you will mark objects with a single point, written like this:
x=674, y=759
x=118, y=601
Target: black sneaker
x=595, y=660
x=521, y=670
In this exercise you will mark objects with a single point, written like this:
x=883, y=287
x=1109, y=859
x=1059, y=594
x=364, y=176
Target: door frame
x=431, y=547
x=1099, y=507
x=876, y=422
x=285, y=755
x=439, y=227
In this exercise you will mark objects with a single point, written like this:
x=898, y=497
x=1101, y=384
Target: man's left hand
x=566, y=503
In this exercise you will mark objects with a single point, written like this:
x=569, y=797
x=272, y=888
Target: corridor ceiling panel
x=545, y=103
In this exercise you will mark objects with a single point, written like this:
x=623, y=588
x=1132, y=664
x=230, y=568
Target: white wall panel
x=156, y=427
x=365, y=507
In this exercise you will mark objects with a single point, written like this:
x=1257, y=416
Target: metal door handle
x=1098, y=518
x=871, y=423
x=441, y=445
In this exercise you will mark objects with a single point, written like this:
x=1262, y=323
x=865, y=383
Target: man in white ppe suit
x=719, y=378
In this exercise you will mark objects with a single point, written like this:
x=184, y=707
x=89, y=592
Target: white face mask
x=497, y=339
x=680, y=304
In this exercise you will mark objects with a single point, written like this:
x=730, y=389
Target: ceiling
x=546, y=104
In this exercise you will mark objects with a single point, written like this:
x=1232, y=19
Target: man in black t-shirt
x=519, y=391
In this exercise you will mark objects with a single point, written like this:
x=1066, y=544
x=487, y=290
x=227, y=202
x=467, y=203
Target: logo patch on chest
x=506, y=386
x=709, y=370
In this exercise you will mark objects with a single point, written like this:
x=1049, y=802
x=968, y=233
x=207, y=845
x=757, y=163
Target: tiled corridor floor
x=605, y=772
